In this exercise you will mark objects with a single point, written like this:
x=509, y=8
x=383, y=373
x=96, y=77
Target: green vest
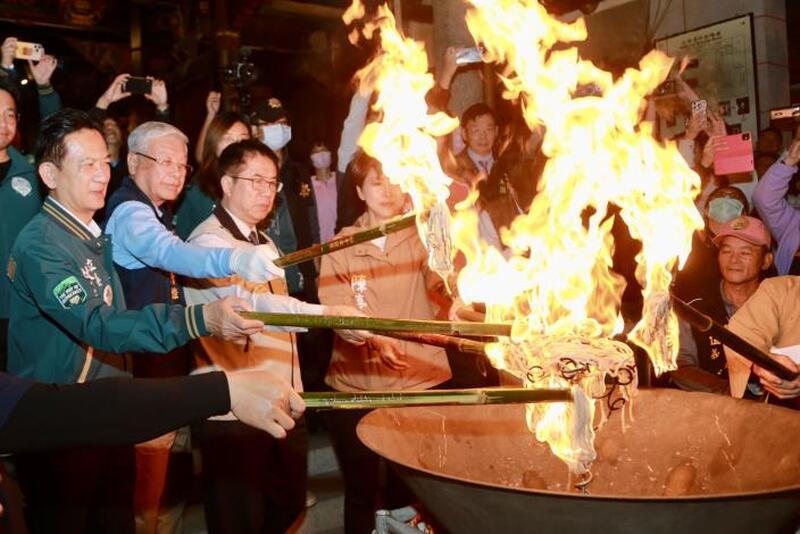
x=21, y=200
x=68, y=319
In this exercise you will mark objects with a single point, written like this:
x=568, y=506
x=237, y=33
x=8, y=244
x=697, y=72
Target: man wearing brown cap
x=770, y=320
x=743, y=253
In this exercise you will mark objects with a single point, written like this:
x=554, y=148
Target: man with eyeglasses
x=253, y=483
x=148, y=256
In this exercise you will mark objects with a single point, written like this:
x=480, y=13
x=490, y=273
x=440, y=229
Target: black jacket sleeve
x=110, y=411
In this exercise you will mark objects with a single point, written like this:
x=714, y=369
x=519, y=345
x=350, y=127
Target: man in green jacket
x=69, y=324
x=19, y=197
x=19, y=191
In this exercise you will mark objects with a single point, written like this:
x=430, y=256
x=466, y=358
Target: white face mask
x=276, y=136
x=321, y=159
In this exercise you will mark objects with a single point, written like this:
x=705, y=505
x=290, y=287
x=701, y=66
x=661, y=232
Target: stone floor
x=325, y=482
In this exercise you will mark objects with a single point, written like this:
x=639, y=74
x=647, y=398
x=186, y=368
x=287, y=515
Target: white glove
x=255, y=264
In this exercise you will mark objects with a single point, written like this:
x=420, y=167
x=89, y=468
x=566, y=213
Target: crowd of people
x=121, y=260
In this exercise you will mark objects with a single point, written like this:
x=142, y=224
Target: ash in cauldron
x=689, y=462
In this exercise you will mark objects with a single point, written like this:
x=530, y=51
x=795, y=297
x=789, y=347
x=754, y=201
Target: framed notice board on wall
x=721, y=68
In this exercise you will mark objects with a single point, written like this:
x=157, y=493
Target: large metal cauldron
x=734, y=466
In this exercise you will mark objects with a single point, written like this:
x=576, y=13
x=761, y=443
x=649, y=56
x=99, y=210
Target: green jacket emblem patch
x=70, y=292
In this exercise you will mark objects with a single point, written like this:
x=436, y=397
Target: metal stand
x=394, y=521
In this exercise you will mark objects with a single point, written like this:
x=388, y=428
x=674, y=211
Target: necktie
x=485, y=166
x=253, y=237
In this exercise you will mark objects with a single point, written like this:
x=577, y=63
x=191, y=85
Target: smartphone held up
x=468, y=56
x=138, y=86
x=31, y=51
x=700, y=113
x=735, y=156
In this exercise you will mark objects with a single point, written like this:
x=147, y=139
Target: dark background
x=300, y=50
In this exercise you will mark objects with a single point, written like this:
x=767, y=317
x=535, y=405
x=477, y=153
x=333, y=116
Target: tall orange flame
x=404, y=137
x=600, y=153
x=556, y=286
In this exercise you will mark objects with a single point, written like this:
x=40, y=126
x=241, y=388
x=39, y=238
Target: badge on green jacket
x=69, y=292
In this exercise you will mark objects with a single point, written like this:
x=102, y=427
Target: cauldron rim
x=591, y=496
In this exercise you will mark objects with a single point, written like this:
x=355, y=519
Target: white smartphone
x=32, y=51
x=699, y=107
x=466, y=56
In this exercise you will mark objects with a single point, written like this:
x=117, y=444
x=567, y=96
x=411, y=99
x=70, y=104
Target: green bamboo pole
x=343, y=400
x=468, y=346
x=321, y=249
x=381, y=324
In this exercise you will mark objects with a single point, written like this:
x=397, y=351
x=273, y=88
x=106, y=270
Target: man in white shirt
x=254, y=483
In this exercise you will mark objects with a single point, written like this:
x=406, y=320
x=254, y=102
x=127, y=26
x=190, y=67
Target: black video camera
x=239, y=74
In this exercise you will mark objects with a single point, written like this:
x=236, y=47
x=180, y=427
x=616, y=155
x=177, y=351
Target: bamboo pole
x=344, y=400
x=707, y=325
x=468, y=346
x=380, y=324
x=314, y=251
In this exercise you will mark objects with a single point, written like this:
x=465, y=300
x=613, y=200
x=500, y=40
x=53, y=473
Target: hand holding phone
x=138, y=86
x=31, y=51
x=8, y=50
x=467, y=56
x=699, y=107
x=698, y=120
x=734, y=154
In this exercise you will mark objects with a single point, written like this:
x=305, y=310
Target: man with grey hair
x=147, y=255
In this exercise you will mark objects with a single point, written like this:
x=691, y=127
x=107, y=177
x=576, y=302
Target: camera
x=240, y=73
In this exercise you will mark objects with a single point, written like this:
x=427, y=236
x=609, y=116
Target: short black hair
x=475, y=111
x=235, y=155
x=55, y=128
x=361, y=165
x=11, y=89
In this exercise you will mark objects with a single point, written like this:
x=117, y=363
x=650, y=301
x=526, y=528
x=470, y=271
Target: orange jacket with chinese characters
x=394, y=282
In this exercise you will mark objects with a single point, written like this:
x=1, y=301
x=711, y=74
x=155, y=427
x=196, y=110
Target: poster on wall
x=720, y=66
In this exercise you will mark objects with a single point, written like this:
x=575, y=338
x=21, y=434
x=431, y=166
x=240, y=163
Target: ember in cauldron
x=689, y=462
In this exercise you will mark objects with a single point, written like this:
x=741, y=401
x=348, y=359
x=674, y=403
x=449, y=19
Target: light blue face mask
x=724, y=209
x=276, y=136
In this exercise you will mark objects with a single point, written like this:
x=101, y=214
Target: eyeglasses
x=187, y=169
x=262, y=184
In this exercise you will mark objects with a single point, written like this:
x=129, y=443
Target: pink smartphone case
x=736, y=157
